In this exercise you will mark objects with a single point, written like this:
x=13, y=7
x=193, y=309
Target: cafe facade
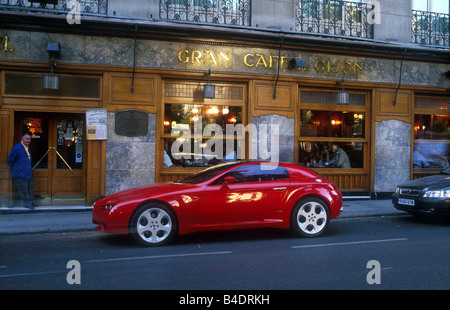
x=130, y=92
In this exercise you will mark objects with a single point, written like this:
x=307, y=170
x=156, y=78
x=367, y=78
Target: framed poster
x=96, y=124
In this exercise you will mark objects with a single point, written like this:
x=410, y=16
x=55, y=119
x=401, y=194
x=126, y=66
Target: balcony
x=87, y=7
x=333, y=17
x=430, y=28
x=222, y=12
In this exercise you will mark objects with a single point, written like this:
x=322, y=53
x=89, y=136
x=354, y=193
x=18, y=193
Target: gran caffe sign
x=267, y=61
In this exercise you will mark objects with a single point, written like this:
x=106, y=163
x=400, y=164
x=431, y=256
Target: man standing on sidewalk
x=19, y=161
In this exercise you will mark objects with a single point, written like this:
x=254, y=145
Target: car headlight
x=444, y=193
x=106, y=207
x=397, y=190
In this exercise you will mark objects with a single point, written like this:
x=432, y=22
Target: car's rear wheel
x=153, y=225
x=310, y=217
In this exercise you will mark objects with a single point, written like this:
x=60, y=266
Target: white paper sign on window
x=96, y=124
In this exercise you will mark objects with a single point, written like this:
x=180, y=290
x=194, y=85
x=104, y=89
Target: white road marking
x=346, y=243
x=29, y=274
x=155, y=256
x=112, y=260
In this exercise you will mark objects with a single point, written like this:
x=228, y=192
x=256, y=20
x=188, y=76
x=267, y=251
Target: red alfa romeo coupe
x=227, y=196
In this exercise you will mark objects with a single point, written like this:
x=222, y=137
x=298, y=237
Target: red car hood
x=146, y=191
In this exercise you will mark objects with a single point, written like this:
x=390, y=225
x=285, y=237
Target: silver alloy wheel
x=312, y=218
x=154, y=225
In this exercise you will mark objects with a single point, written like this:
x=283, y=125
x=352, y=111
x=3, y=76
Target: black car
x=429, y=195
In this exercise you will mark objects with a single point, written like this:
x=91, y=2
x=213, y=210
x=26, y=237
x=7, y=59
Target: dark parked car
x=429, y=195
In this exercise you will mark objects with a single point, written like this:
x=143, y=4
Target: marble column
x=130, y=161
x=392, y=154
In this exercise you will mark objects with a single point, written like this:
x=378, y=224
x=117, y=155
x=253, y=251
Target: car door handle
x=279, y=188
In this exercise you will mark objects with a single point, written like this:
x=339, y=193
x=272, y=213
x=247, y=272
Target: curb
x=39, y=209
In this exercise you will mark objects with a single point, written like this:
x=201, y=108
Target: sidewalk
x=79, y=218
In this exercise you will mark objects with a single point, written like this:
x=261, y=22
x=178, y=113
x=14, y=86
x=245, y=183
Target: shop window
x=198, y=152
x=199, y=132
x=69, y=144
x=318, y=97
x=333, y=136
x=332, y=154
x=195, y=91
x=316, y=123
x=182, y=118
x=37, y=127
x=70, y=86
x=431, y=147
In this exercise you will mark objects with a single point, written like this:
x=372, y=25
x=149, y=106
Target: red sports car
x=227, y=196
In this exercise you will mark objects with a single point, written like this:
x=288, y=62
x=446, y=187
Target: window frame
x=193, y=97
x=423, y=110
x=365, y=141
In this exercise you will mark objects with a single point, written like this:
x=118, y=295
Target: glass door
x=58, y=154
x=68, y=160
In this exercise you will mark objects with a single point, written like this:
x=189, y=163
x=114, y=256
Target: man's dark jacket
x=19, y=163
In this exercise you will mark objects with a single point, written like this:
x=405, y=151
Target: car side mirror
x=228, y=180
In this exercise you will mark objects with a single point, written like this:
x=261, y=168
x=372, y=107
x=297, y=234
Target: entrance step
x=60, y=200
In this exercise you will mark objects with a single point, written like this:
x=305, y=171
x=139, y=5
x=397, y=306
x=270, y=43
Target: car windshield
x=446, y=170
x=207, y=174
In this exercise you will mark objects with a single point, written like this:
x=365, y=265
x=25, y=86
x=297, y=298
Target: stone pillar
x=392, y=154
x=130, y=161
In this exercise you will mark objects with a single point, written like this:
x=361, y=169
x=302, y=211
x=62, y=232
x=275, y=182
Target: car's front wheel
x=153, y=225
x=310, y=217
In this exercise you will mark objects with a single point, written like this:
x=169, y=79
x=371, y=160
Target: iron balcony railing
x=333, y=17
x=223, y=12
x=430, y=28
x=94, y=7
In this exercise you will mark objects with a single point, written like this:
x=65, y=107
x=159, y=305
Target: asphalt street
x=411, y=255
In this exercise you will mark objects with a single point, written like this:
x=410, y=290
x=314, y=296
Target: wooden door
x=58, y=153
x=68, y=164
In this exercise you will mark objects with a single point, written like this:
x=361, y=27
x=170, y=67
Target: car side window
x=255, y=173
x=279, y=173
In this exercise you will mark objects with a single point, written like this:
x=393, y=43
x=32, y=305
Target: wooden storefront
x=247, y=91
x=65, y=163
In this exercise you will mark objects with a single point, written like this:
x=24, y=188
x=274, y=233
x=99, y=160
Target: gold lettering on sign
x=323, y=66
x=205, y=58
x=4, y=42
x=257, y=60
x=346, y=66
x=246, y=60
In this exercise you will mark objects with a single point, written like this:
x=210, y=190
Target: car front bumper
x=421, y=205
x=110, y=221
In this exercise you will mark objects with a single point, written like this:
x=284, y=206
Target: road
x=397, y=252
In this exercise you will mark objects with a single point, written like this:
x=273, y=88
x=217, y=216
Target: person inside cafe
x=340, y=159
